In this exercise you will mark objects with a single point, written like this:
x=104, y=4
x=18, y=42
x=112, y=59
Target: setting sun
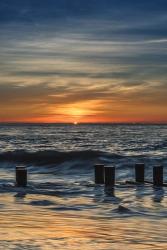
x=83, y=124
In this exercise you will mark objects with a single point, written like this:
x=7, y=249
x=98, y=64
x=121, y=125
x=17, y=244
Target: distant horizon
x=84, y=123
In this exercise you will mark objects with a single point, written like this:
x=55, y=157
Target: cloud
x=101, y=57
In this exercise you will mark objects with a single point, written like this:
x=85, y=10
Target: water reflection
x=36, y=228
x=158, y=195
x=83, y=216
x=109, y=191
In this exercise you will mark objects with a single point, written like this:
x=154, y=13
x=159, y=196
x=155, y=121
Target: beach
x=62, y=207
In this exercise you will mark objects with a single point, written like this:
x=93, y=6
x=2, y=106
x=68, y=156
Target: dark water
x=61, y=207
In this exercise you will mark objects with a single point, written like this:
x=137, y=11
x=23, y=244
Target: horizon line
x=83, y=123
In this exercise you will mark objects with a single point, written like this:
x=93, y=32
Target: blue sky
x=96, y=60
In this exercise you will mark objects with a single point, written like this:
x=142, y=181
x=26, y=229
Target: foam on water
x=62, y=207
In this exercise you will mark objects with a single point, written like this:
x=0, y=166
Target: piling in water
x=21, y=177
x=139, y=172
x=99, y=173
x=158, y=176
x=109, y=176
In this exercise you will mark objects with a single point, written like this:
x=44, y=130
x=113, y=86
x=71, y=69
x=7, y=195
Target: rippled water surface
x=62, y=208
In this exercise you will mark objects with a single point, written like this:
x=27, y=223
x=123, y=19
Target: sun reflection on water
x=23, y=223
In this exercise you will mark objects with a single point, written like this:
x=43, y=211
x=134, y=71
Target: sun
x=75, y=123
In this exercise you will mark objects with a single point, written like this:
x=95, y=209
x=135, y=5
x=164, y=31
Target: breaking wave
x=49, y=157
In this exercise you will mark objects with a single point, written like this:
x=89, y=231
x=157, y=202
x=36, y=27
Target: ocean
x=62, y=208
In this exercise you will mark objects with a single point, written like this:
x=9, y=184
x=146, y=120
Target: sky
x=83, y=61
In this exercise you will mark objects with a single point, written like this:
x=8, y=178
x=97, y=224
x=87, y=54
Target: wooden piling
x=109, y=175
x=21, y=177
x=99, y=173
x=158, y=176
x=139, y=172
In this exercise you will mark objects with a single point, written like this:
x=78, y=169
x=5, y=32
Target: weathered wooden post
x=99, y=173
x=158, y=176
x=21, y=177
x=139, y=172
x=109, y=176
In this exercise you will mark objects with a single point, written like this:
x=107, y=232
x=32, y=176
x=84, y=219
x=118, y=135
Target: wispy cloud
x=106, y=59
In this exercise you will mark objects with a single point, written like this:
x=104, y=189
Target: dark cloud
x=60, y=53
x=51, y=9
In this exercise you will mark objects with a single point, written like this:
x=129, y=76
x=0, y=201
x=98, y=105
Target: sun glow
x=75, y=113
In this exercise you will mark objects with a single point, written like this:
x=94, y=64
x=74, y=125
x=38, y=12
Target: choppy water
x=62, y=208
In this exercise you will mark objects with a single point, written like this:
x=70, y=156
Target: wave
x=48, y=157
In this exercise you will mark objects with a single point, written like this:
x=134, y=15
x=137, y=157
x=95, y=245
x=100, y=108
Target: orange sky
x=85, y=112
x=105, y=66
x=45, y=99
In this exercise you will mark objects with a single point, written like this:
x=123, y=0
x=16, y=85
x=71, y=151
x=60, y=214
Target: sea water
x=62, y=208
